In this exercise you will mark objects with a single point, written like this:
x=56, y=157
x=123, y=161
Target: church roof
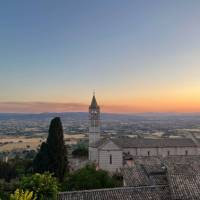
x=148, y=143
x=99, y=142
x=94, y=103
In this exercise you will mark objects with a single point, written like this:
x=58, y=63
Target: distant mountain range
x=104, y=116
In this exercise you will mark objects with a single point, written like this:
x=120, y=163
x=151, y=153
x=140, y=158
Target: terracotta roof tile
x=124, y=193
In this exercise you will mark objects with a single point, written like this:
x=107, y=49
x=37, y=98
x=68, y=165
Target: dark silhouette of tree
x=57, y=149
x=41, y=161
x=80, y=151
x=52, y=156
x=7, y=171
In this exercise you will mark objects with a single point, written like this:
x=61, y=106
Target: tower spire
x=94, y=104
x=94, y=118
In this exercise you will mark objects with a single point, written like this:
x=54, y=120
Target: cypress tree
x=52, y=156
x=41, y=161
x=57, y=149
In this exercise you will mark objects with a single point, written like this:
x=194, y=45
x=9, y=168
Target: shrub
x=88, y=178
x=22, y=195
x=45, y=186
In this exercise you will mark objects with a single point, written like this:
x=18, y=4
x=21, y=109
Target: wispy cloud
x=37, y=107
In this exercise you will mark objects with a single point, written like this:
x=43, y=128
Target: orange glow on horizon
x=139, y=106
x=181, y=100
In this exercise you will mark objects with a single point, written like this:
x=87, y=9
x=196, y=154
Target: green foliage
x=22, y=166
x=89, y=178
x=7, y=171
x=118, y=179
x=6, y=188
x=52, y=156
x=30, y=155
x=44, y=185
x=80, y=150
x=22, y=195
x=10, y=172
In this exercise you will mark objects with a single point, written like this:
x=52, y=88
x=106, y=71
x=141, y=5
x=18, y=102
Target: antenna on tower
x=93, y=92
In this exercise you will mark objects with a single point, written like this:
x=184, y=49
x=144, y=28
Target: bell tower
x=94, y=121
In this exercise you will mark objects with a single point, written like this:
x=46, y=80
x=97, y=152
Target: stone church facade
x=111, y=154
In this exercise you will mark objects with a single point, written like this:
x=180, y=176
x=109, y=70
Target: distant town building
x=112, y=154
x=4, y=158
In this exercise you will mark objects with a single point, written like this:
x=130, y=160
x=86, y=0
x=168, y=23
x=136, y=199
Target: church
x=112, y=154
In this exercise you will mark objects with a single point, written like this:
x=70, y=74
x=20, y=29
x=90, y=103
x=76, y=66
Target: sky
x=138, y=55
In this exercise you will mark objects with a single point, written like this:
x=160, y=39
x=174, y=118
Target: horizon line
x=62, y=107
x=113, y=113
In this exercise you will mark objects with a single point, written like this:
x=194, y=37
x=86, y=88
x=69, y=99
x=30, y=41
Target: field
x=10, y=143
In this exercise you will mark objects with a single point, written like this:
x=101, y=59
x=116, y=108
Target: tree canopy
x=52, y=155
x=89, y=178
x=43, y=185
x=80, y=150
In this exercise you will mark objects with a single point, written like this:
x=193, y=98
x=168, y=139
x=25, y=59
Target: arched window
x=110, y=159
x=148, y=153
x=168, y=153
x=186, y=152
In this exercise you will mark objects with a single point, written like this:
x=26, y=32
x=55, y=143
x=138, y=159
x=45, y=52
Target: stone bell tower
x=94, y=121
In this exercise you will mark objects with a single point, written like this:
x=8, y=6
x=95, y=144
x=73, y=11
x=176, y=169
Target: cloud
x=38, y=107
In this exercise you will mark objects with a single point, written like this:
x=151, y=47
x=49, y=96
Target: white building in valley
x=112, y=154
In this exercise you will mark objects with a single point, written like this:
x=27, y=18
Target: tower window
x=186, y=152
x=148, y=153
x=110, y=159
x=168, y=153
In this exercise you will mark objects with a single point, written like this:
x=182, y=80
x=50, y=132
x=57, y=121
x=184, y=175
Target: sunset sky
x=139, y=56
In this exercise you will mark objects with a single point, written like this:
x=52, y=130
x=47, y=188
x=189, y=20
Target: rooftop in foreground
x=151, y=178
x=123, y=193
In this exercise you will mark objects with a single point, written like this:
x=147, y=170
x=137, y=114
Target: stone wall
x=110, y=160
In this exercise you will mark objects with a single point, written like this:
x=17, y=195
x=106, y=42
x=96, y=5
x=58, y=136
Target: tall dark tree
x=52, y=156
x=41, y=161
x=7, y=171
x=57, y=149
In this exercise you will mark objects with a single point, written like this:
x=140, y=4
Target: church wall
x=171, y=151
x=104, y=160
x=93, y=154
x=190, y=151
x=147, y=152
x=162, y=151
x=178, y=151
x=132, y=151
